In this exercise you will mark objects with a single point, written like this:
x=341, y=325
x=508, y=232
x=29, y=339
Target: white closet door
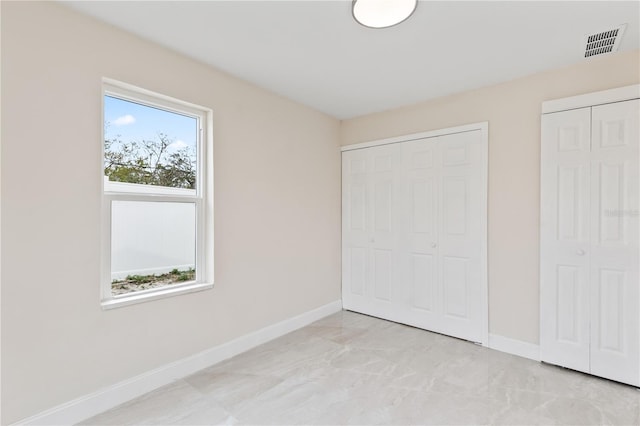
x=369, y=256
x=383, y=193
x=414, y=236
x=422, y=293
x=461, y=234
x=615, y=307
x=355, y=229
x=565, y=239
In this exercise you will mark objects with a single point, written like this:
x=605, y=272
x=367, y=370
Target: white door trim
x=484, y=132
x=618, y=94
x=483, y=127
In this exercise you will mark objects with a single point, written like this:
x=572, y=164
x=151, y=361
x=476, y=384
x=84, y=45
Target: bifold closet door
x=413, y=233
x=615, y=282
x=589, y=236
x=441, y=247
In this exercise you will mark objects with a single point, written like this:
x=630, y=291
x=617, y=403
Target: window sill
x=134, y=298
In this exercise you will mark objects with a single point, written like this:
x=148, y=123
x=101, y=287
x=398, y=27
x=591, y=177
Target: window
x=157, y=196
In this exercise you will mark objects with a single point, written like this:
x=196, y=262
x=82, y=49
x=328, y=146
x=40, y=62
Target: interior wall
x=277, y=210
x=513, y=112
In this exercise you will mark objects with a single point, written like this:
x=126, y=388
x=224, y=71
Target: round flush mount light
x=382, y=13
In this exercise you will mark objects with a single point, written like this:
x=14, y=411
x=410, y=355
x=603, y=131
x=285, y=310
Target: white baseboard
x=514, y=347
x=95, y=403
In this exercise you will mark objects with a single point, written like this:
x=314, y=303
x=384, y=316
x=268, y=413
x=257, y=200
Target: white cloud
x=124, y=120
x=178, y=144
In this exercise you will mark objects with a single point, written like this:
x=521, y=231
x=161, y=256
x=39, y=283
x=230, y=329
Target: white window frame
x=202, y=196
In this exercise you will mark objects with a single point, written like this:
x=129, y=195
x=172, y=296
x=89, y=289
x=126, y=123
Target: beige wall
x=277, y=171
x=513, y=112
x=277, y=217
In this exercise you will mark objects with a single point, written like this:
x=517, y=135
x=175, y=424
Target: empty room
x=332, y=212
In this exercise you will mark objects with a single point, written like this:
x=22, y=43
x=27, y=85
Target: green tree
x=150, y=162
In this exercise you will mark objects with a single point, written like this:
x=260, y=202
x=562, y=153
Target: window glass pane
x=153, y=244
x=149, y=146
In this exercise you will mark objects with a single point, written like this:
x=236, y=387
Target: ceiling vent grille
x=603, y=42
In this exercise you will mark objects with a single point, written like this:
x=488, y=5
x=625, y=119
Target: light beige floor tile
x=177, y=403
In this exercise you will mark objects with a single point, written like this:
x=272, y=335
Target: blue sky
x=135, y=122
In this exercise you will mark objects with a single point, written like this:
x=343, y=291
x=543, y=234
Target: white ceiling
x=314, y=52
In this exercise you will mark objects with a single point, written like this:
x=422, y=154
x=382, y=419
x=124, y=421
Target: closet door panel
x=369, y=230
x=460, y=234
x=615, y=297
x=385, y=169
x=565, y=239
x=419, y=233
x=356, y=226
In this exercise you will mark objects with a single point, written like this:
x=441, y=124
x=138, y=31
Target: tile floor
x=351, y=369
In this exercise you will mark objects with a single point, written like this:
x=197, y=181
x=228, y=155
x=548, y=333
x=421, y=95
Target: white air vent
x=603, y=42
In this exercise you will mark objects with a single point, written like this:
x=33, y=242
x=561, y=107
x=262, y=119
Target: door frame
x=619, y=94
x=483, y=127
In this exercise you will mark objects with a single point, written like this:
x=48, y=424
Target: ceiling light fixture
x=382, y=13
